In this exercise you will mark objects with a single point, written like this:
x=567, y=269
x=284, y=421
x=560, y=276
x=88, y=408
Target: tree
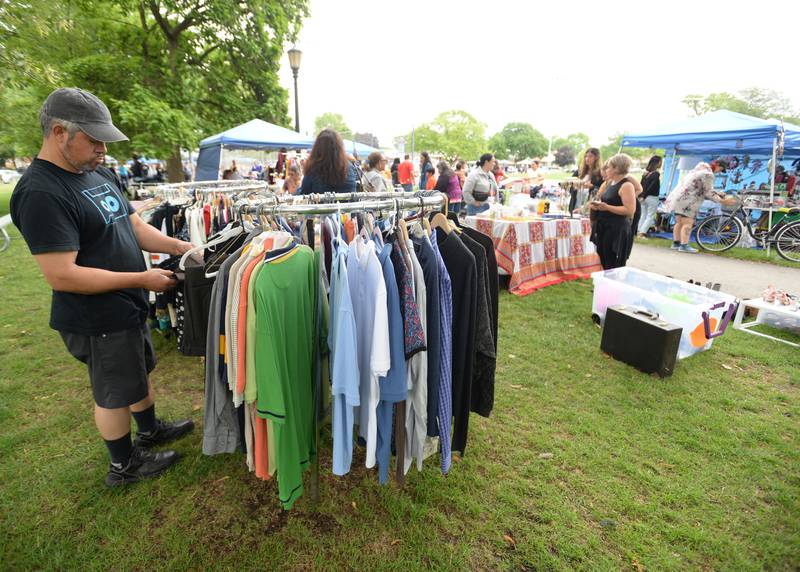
x=366, y=139
x=169, y=70
x=454, y=134
x=518, y=141
x=613, y=147
x=333, y=121
x=763, y=103
x=576, y=141
x=565, y=156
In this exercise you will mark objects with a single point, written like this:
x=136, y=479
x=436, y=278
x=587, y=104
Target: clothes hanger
x=403, y=232
x=440, y=221
x=225, y=235
x=426, y=225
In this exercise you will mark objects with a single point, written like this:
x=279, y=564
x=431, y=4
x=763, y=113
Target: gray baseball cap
x=85, y=110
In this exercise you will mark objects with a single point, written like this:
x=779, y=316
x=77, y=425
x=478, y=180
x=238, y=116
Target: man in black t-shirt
x=88, y=242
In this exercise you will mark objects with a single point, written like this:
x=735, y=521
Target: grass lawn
x=585, y=464
x=5, y=197
x=750, y=254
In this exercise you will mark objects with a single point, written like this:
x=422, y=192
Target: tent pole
x=221, y=152
x=672, y=168
x=772, y=186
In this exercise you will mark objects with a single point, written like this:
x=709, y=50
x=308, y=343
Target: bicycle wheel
x=719, y=233
x=787, y=241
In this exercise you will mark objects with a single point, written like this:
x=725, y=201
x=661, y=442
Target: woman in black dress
x=614, y=210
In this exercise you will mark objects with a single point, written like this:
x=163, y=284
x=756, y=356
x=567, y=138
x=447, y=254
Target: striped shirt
x=445, y=408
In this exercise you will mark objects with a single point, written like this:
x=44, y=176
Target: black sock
x=676, y=242
x=120, y=450
x=146, y=420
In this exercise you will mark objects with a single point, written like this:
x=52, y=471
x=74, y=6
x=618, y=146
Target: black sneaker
x=143, y=464
x=164, y=433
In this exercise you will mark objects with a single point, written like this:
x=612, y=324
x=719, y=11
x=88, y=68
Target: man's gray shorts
x=118, y=362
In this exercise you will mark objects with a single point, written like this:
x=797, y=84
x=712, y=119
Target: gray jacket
x=480, y=181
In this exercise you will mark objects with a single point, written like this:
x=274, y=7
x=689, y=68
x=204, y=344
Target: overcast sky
x=563, y=66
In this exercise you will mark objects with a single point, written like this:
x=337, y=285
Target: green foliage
x=613, y=147
x=565, y=156
x=497, y=145
x=171, y=72
x=578, y=142
x=454, y=134
x=333, y=121
x=155, y=123
x=754, y=101
x=366, y=139
x=517, y=141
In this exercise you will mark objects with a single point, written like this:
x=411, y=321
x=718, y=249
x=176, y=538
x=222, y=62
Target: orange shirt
x=349, y=230
x=241, y=326
x=431, y=185
x=405, y=173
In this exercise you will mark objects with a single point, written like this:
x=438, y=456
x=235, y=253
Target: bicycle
x=722, y=232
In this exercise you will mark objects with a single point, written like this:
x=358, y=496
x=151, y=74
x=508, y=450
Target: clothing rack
x=350, y=197
x=237, y=188
x=358, y=202
x=220, y=183
x=334, y=208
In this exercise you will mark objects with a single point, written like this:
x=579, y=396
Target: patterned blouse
x=686, y=198
x=414, y=335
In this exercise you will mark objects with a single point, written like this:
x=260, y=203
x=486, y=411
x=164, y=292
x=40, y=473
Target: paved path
x=742, y=278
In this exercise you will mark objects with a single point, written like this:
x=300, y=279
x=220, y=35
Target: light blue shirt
x=393, y=384
x=342, y=342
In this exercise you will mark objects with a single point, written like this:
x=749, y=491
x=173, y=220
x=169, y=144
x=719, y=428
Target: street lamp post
x=294, y=63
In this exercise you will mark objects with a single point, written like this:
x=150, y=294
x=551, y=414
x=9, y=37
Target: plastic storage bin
x=702, y=313
x=784, y=319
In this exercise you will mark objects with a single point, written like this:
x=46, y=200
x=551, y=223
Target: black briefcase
x=641, y=339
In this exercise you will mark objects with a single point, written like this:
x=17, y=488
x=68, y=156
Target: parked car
x=9, y=176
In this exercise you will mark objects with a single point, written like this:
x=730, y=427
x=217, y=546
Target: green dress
x=286, y=321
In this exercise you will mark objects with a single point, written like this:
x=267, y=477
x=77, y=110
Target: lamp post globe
x=294, y=62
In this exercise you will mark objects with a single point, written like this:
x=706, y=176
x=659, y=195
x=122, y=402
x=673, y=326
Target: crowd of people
x=620, y=206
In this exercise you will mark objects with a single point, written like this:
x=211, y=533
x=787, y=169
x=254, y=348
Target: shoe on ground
x=674, y=246
x=143, y=464
x=687, y=248
x=642, y=236
x=164, y=433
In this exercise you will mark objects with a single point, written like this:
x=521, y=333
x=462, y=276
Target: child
x=292, y=182
x=431, y=181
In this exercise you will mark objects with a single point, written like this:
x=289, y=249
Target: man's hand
x=181, y=246
x=158, y=280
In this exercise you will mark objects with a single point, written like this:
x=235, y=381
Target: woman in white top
x=376, y=164
x=480, y=185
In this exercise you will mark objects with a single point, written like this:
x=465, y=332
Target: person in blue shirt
x=328, y=169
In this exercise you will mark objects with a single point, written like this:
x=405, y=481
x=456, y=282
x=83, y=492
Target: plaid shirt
x=445, y=360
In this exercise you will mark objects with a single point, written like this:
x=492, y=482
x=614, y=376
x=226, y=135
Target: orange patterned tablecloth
x=540, y=253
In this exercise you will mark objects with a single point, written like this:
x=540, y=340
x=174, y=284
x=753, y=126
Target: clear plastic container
x=702, y=313
x=784, y=319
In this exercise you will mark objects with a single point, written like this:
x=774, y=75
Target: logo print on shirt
x=107, y=202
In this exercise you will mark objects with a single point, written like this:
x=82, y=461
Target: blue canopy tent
x=255, y=134
x=721, y=132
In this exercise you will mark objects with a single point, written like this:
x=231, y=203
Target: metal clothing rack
x=355, y=196
x=374, y=204
x=359, y=202
x=230, y=188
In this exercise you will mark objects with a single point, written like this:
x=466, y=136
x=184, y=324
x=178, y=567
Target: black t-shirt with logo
x=60, y=211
